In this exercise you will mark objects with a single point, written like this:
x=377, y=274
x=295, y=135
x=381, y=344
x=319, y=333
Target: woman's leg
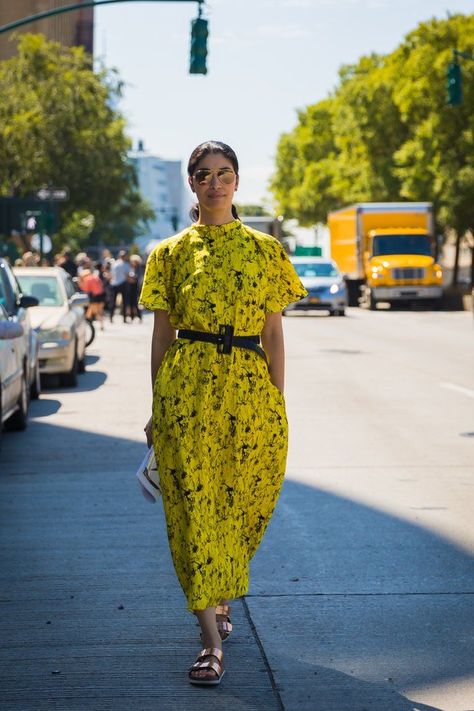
x=210, y=638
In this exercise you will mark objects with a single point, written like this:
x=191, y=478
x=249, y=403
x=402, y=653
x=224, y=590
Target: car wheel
x=19, y=419
x=342, y=312
x=70, y=379
x=35, y=390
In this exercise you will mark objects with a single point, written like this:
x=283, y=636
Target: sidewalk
x=92, y=615
x=362, y=593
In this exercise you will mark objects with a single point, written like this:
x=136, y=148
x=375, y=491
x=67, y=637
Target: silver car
x=324, y=283
x=59, y=320
x=14, y=385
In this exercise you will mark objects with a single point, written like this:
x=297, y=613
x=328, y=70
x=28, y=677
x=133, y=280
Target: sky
x=266, y=60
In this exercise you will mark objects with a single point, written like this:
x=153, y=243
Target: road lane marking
x=458, y=389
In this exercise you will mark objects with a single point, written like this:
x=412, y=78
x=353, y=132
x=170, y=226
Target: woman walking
x=219, y=425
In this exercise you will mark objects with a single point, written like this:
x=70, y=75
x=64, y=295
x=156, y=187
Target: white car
x=14, y=385
x=59, y=320
x=324, y=283
x=17, y=306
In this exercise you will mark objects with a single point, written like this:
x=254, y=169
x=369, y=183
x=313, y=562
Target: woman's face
x=214, y=181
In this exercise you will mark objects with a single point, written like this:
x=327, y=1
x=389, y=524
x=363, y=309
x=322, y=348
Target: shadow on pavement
x=352, y=605
x=367, y=600
x=43, y=407
x=90, y=380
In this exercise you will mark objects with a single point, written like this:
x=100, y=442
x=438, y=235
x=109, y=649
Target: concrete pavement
x=362, y=591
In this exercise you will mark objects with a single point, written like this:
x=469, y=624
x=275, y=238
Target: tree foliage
x=386, y=133
x=58, y=126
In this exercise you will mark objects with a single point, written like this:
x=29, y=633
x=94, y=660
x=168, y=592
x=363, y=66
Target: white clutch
x=148, y=477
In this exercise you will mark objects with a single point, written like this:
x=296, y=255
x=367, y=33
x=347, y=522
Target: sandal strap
x=223, y=610
x=211, y=652
x=203, y=666
x=225, y=626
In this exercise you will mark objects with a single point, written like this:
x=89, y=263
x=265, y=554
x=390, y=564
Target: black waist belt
x=225, y=340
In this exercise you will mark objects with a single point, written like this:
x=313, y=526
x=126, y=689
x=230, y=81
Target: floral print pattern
x=219, y=424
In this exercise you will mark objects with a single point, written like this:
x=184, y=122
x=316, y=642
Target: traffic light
x=199, y=33
x=454, y=84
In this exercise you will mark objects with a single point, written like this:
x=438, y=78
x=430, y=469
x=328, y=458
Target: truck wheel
x=372, y=302
x=353, y=291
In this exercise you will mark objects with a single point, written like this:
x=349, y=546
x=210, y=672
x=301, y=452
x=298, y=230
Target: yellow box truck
x=386, y=251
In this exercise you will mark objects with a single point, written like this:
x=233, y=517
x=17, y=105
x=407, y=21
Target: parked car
x=14, y=385
x=324, y=283
x=59, y=320
x=17, y=306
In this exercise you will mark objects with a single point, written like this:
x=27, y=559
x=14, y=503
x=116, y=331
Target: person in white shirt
x=119, y=271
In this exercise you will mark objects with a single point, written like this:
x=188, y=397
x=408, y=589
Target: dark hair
x=203, y=150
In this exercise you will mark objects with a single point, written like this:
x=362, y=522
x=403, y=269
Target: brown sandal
x=224, y=625
x=202, y=664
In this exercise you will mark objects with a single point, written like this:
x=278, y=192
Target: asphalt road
x=362, y=593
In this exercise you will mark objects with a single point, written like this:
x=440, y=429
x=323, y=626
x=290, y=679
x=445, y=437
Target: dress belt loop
x=226, y=335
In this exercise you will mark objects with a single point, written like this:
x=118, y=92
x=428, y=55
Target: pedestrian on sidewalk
x=118, y=281
x=134, y=278
x=219, y=425
x=91, y=284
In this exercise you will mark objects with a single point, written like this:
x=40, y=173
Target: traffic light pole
x=77, y=6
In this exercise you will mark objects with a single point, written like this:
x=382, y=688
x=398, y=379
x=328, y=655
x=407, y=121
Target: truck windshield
x=401, y=244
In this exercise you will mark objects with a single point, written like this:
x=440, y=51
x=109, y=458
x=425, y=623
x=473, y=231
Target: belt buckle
x=224, y=343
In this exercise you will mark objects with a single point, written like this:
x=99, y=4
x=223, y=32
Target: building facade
x=161, y=183
x=70, y=28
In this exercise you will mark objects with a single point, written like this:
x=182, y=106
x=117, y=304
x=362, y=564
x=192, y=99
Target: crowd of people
x=110, y=282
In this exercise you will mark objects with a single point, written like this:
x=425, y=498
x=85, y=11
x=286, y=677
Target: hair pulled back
x=200, y=152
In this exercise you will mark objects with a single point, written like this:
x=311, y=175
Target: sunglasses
x=204, y=176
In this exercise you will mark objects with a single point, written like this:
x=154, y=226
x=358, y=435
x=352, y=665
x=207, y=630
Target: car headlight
x=438, y=272
x=55, y=334
x=334, y=288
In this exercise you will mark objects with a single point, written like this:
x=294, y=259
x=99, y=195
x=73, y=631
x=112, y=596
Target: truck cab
x=399, y=266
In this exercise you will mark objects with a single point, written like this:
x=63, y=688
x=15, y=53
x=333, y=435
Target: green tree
x=252, y=210
x=387, y=133
x=58, y=126
x=305, y=162
x=436, y=160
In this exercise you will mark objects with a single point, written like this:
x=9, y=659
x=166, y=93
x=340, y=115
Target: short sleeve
x=154, y=294
x=284, y=284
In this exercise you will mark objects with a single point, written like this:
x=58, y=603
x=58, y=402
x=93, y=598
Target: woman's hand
x=149, y=432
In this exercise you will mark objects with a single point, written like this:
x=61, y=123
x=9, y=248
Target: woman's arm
x=163, y=336
x=274, y=346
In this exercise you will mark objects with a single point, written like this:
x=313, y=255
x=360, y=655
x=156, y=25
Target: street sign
x=55, y=194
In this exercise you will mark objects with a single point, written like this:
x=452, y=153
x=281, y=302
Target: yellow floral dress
x=219, y=424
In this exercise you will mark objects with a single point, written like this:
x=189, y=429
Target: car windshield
x=44, y=288
x=401, y=244
x=315, y=269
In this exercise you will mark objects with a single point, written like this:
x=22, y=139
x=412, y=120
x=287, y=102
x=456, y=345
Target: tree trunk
x=456, y=259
